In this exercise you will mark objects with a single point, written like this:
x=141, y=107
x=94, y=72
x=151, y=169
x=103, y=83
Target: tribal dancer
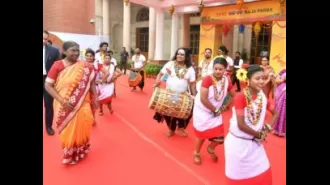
x=246, y=162
x=90, y=58
x=70, y=82
x=223, y=52
x=207, y=118
x=106, y=88
x=181, y=77
x=205, y=67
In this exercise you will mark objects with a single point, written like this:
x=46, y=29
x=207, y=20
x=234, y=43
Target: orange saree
x=73, y=83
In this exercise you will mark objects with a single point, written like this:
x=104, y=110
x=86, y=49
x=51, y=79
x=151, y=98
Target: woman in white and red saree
x=106, y=87
x=246, y=162
x=207, y=119
x=70, y=82
x=90, y=58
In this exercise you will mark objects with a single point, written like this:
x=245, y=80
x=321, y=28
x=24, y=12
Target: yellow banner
x=250, y=12
x=278, y=47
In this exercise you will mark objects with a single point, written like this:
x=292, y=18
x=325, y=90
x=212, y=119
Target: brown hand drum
x=134, y=78
x=168, y=103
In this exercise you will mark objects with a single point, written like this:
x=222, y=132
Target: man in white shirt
x=103, y=49
x=50, y=55
x=138, y=64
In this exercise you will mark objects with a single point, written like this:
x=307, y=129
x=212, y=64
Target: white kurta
x=174, y=83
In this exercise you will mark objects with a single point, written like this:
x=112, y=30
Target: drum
x=134, y=79
x=168, y=103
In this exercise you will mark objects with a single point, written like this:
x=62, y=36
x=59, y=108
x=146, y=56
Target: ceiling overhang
x=184, y=6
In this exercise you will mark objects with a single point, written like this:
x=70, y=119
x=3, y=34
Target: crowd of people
x=80, y=88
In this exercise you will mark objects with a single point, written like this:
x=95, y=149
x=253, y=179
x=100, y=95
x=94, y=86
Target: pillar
x=152, y=33
x=159, y=35
x=174, y=33
x=105, y=20
x=235, y=38
x=247, y=39
x=185, y=31
x=127, y=27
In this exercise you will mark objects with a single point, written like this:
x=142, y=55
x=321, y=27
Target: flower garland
x=205, y=66
x=252, y=115
x=217, y=93
x=179, y=74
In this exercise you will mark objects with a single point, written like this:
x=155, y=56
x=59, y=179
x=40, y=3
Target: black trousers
x=236, y=81
x=123, y=64
x=48, y=102
x=141, y=84
x=172, y=123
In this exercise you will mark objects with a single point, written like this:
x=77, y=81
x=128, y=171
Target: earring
x=248, y=83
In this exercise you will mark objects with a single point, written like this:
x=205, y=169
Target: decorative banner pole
x=201, y=6
x=171, y=10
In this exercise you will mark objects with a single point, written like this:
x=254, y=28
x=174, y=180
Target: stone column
x=159, y=53
x=235, y=39
x=185, y=31
x=106, y=18
x=152, y=33
x=240, y=42
x=174, y=33
x=127, y=27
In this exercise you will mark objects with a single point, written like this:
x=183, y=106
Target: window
x=142, y=39
x=194, y=39
x=262, y=47
x=195, y=14
x=142, y=15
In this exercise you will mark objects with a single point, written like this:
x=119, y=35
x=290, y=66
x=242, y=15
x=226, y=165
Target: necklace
x=205, y=66
x=217, y=93
x=252, y=114
x=177, y=68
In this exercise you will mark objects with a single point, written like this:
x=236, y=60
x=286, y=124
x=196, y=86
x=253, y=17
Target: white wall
x=85, y=41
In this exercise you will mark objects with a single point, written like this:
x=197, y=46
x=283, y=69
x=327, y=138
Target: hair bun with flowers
x=241, y=74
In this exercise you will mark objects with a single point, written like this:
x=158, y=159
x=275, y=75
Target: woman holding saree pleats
x=90, y=58
x=246, y=161
x=280, y=104
x=106, y=88
x=71, y=82
x=208, y=109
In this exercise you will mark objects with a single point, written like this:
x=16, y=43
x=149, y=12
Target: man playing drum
x=180, y=78
x=136, y=77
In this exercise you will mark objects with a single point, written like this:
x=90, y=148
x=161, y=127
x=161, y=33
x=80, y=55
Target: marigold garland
x=252, y=114
x=217, y=93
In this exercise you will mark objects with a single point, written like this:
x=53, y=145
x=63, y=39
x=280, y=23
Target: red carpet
x=129, y=147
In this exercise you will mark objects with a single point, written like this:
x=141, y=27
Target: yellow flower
x=241, y=75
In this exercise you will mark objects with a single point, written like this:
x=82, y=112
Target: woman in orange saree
x=70, y=82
